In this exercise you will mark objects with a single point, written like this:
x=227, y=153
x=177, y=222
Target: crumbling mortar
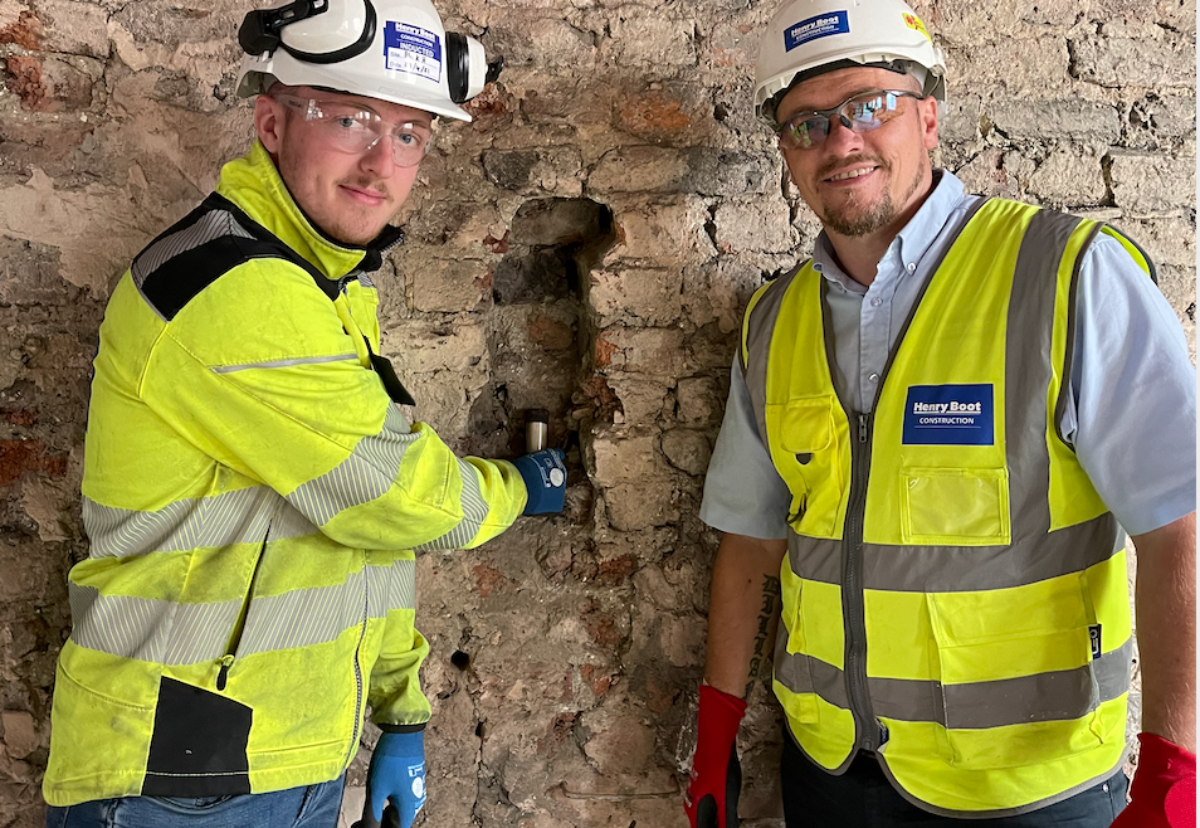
x=710, y=226
x=1106, y=162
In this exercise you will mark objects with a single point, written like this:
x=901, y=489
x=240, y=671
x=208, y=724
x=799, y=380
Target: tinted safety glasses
x=862, y=113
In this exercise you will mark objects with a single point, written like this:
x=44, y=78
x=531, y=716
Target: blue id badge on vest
x=950, y=415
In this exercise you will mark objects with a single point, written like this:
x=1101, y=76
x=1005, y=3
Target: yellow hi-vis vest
x=954, y=594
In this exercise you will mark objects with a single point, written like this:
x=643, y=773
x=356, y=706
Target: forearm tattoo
x=767, y=612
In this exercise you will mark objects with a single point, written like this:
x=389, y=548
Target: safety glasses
x=862, y=113
x=354, y=129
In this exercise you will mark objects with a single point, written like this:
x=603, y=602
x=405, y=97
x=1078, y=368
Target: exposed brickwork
x=585, y=245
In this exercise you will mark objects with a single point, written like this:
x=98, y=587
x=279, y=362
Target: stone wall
x=586, y=245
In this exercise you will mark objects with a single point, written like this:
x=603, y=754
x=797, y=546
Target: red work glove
x=1163, y=794
x=712, y=796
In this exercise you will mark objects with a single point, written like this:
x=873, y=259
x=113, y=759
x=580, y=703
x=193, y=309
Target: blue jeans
x=315, y=806
x=863, y=797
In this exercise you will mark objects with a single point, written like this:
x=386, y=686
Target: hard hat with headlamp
x=807, y=38
x=393, y=50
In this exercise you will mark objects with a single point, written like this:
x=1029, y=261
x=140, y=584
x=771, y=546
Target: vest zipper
x=852, y=588
x=872, y=733
x=358, y=677
x=240, y=627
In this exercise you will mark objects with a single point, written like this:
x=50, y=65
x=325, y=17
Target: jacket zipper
x=240, y=627
x=358, y=676
x=853, y=602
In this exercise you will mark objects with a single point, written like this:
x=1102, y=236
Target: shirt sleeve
x=743, y=492
x=1133, y=386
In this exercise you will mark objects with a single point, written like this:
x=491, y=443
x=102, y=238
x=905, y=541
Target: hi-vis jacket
x=954, y=594
x=253, y=499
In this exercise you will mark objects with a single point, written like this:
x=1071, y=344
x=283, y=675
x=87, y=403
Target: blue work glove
x=398, y=773
x=545, y=478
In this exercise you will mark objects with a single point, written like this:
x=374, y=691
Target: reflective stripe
x=305, y=617
x=161, y=632
x=1055, y=696
x=240, y=516
x=364, y=476
x=212, y=225
x=392, y=587
x=475, y=512
x=1027, y=375
x=164, y=632
x=962, y=568
x=285, y=363
x=759, y=327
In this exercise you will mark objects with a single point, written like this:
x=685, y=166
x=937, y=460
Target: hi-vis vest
x=253, y=499
x=954, y=594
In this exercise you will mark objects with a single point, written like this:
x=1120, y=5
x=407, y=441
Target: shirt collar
x=910, y=243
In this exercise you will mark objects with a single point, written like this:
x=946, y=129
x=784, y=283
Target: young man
x=928, y=454
x=252, y=491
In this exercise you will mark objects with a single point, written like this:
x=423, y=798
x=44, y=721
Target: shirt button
x=873, y=377
x=876, y=302
x=911, y=267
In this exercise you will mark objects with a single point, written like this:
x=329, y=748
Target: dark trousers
x=863, y=798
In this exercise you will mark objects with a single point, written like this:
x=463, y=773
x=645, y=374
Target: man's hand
x=397, y=773
x=712, y=796
x=1163, y=794
x=545, y=478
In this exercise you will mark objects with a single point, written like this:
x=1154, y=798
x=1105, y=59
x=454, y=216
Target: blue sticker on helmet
x=413, y=50
x=949, y=415
x=822, y=25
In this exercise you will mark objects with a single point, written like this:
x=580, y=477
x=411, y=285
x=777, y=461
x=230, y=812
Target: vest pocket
x=807, y=456
x=955, y=507
x=1019, y=699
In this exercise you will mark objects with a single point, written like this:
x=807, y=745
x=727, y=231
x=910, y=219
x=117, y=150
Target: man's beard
x=847, y=220
x=841, y=221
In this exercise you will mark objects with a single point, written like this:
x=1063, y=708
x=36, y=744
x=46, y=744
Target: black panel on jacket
x=199, y=743
x=187, y=271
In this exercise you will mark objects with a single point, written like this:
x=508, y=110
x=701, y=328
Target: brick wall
x=586, y=245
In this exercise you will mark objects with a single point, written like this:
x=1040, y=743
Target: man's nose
x=841, y=138
x=380, y=158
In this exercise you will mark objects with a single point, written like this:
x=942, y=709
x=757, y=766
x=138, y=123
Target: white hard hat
x=395, y=50
x=808, y=37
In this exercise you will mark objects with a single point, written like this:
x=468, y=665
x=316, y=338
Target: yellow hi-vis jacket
x=954, y=593
x=253, y=498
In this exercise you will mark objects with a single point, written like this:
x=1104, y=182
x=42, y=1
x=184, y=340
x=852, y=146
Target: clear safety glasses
x=862, y=113
x=354, y=129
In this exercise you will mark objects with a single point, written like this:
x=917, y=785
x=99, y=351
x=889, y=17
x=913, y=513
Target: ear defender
x=259, y=32
x=262, y=31
x=467, y=69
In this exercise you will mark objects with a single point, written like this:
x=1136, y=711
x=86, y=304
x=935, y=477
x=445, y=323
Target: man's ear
x=270, y=121
x=929, y=121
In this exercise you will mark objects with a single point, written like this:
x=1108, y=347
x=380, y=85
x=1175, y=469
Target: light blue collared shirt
x=1133, y=421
